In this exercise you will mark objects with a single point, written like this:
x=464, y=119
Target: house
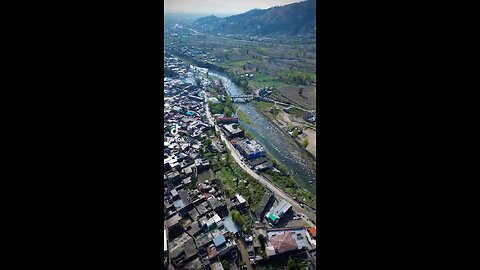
x=260, y=164
x=283, y=241
x=250, y=149
x=224, y=120
x=217, y=205
x=312, y=235
x=278, y=211
x=238, y=202
x=173, y=226
x=219, y=240
x=264, y=204
x=184, y=252
x=230, y=225
x=233, y=131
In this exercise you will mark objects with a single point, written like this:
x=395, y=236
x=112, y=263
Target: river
x=274, y=140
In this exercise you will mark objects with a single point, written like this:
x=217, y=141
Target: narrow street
x=244, y=253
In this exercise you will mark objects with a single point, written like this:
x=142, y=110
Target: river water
x=274, y=140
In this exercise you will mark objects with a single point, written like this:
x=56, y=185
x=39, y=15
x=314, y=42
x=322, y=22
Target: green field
x=291, y=63
x=248, y=187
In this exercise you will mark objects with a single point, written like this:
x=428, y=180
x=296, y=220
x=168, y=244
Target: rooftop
x=298, y=234
x=231, y=129
x=216, y=266
x=230, y=225
x=250, y=146
x=281, y=243
x=281, y=208
x=173, y=220
x=219, y=240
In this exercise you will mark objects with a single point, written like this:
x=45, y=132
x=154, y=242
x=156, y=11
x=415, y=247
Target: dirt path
x=244, y=253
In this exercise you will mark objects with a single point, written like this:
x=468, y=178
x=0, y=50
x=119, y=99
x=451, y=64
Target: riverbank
x=278, y=125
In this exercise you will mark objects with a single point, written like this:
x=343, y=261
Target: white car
x=296, y=218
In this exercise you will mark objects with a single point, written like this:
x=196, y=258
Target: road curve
x=280, y=194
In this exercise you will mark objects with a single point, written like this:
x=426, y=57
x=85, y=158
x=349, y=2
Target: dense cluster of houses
x=199, y=231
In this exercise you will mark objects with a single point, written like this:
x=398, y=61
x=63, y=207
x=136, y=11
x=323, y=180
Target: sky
x=220, y=7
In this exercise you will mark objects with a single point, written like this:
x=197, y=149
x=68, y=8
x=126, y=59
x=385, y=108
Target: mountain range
x=296, y=18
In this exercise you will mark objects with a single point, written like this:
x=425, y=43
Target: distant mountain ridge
x=296, y=18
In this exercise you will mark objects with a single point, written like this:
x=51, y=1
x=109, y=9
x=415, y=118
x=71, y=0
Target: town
x=220, y=213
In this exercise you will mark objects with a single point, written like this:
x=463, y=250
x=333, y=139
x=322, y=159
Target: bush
x=208, y=142
x=225, y=264
x=305, y=143
x=295, y=133
x=238, y=218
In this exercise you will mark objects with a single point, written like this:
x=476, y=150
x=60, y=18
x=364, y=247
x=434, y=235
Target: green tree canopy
x=295, y=133
x=305, y=143
x=228, y=112
x=208, y=142
x=237, y=217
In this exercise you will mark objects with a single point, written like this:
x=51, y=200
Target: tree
x=229, y=102
x=292, y=265
x=305, y=143
x=295, y=133
x=208, y=142
x=228, y=112
x=198, y=81
x=237, y=217
x=300, y=91
x=225, y=264
x=244, y=67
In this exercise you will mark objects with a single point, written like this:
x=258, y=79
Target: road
x=279, y=194
x=288, y=105
x=244, y=253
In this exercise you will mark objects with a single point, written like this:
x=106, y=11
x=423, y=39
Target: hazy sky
x=215, y=7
